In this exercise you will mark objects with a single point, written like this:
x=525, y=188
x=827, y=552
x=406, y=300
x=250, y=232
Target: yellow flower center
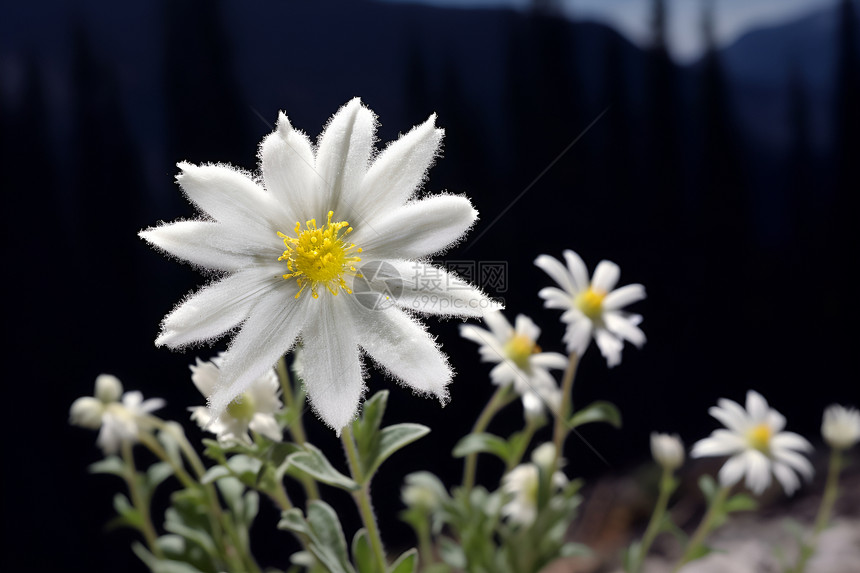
x=759, y=437
x=242, y=408
x=319, y=256
x=519, y=349
x=590, y=302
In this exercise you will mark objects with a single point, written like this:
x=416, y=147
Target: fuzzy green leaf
x=314, y=463
x=328, y=541
x=365, y=428
x=740, y=502
x=362, y=553
x=708, y=487
x=599, y=411
x=110, y=465
x=391, y=439
x=482, y=443
x=406, y=563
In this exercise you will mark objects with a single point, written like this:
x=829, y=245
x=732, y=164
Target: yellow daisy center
x=319, y=256
x=759, y=437
x=242, y=408
x=519, y=349
x=590, y=302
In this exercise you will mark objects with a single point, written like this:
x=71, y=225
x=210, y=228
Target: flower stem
x=499, y=399
x=529, y=432
x=138, y=501
x=362, y=498
x=825, y=510
x=297, y=429
x=704, y=527
x=561, y=429
x=653, y=528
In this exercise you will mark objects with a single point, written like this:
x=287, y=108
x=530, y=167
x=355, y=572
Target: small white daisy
x=592, y=308
x=756, y=444
x=519, y=360
x=841, y=427
x=118, y=417
x=668, y=450
x=254, y=409
x=523, y=482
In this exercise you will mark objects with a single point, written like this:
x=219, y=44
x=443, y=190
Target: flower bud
x=668, y=451
x=108, y=388
x=840, y=427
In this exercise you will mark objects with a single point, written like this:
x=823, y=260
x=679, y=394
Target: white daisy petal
x=266, y=425
x=556, y=271
x=795, y=461
x=420, y=365
x=288, y=166
x=550, y=360
x=216, y=308
x=605, y=276
x=757, y=406
x=504, y=373
x=758, y=471
x=787, y=478
x=731, y=418
x=622, y=327
x=610, y=346
x=578, y=270
x=499, y=326
x=721, y=443
x=399, y=170
x=417, y=229
x=624, y=296
x=792, y=441
x=524, y=326
x=555, y=297
x=343, y=154
x=196, y=242
x=578, y=335
x=270, y=331
x=733, y=470
x=226, y=194
x=429, y=289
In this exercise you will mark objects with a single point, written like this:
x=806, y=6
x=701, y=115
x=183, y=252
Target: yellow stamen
x=590, y=302
x=318, y=256
x=519, y=349
x=759, y=437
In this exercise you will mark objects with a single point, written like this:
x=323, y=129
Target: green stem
x=500, y=398
x=362, y=498
x=152, y=444
x=704, y=527
x=825, y=510
x=561, y=430
x=425, y=545
x=529, y=432
x=138, y=501
x=297, y=429
x=666, y=487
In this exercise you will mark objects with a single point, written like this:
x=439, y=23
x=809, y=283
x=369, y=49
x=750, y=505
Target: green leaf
x=365, y=428
x=110, y=465
x=599, y=411
x=214, y=473
x=314, y=463
x=406, y=563
x=391, y=439
x=708, y=487
x=130, y=516
x=631, y=556
x=157, y=473
x=245, y=468
x=740, y=502
x=362, y=553
x=157, y=565
x=174, y=524
x=572, y=549
x=329, y=543
x=482, y=443
x=293, y=520
x=701, y=551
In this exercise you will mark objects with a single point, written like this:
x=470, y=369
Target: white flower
x=668, y=451
x=757, y=445
x=523, y=483
x=254, y=408
x=592, y=308
x=519, y=360
x=294, y=246
x=117, y=421
x=841, y=427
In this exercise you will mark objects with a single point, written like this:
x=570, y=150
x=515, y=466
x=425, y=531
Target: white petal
x=219, y=306
x=729, y=417
x=525, y=326
x=491, y=350
x=732, y=470
x=605, y=276
x=343, y=155
x=549, y=360
x=757, y=406
x=610, y=346
x=555, y=297
x=720, y=443
x=775, y=420
x=556, y=271
x=205, y=376
x=787, y=478
x=758, y=471
x=200, y=243
x=622, y=327
x=404, y=349
x=504, y=373
x=270, y=331
x=796, y=461
x=430, y=289
x=577, y=336
x=330, y=361
x=398, y=171
x=499, y=326
x=417, y=229
x=578, y=270
x=266, y=425
x=621, y=297
x=790, y=440
x=227, y=195
x=152, y=404
x=288, y=166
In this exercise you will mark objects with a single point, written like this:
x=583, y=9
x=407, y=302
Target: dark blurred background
x=715, y=160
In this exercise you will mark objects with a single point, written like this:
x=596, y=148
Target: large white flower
x=254, y=409
x=592, y=308
x=294, y=246
x=118, y=417
x=757, y=445
x=519, y=360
